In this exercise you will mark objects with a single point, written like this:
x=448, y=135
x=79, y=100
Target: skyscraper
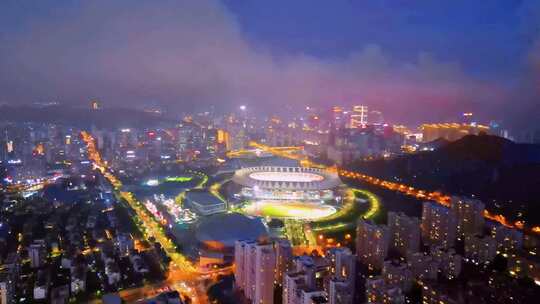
x=338, y=118
x=359, y=117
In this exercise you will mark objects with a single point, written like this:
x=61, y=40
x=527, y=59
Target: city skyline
x=423, y=59
x=269, y=152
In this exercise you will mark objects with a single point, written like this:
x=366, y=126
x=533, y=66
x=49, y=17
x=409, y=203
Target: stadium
x=287, y=183
x=287, y=192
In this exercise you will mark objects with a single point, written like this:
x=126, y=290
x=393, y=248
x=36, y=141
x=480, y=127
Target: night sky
x=414, y=60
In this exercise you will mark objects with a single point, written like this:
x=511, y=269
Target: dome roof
x=226, y=228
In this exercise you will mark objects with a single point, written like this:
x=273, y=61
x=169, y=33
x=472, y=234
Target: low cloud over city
x=189, y=53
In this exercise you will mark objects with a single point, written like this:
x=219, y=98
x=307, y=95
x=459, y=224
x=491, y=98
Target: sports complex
x=289, y=192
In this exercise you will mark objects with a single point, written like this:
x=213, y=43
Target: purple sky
x=412, y=60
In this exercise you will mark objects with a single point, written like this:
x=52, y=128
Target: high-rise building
x=397, y=274
x=422, y=266
x=258, y=264
x=480, y=250
x=507, y=239
x=240, y=261
x=432, y=294
x=372, y=243
x=284, y=256
x=299, y=281
x=7, y=286
x=245, y=254
x=36, y=253
x=265, y=264
x=313, y=297
x=342, y=276
x=339, y=120
x=5, y=293
x=359, y=117
x=438, y=225
x=469, y=214
x=523, y=265
x=377, y=291
x=124, y=243
x=339, y=292
x=223, y=138
x=450, y=131
x=404, y=233
x=376, y=118
x=449, y=262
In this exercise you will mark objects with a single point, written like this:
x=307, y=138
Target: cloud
x=193, y=53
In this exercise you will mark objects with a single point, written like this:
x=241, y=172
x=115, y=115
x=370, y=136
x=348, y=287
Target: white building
x=341, y=284
x=258, y=265
x=299, y=281
x=284, y=256
x=204, y=203
x=265, y=264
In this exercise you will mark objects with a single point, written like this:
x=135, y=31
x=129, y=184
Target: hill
x=504, y=174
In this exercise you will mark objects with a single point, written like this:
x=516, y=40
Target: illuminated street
x=269, y=152
x=183, y=275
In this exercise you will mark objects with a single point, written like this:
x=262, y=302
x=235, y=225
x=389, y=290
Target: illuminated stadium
x=287, y=192
x=287, y=183
x=289, y=209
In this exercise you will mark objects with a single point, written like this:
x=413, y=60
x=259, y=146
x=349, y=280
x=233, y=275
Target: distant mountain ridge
x=504, y=174
x=491, y=149
x=82, y=117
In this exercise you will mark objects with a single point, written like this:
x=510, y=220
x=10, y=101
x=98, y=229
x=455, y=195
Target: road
x=183, y=276
x=296, y=153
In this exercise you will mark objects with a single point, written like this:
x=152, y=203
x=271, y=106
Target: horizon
x=411, y=61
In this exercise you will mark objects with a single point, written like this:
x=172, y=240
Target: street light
x=243, y=107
